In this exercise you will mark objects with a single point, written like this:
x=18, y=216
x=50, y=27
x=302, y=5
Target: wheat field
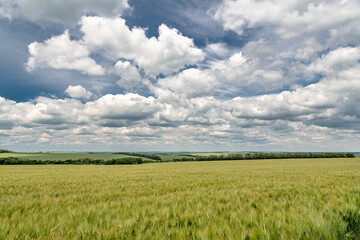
x=260, y=199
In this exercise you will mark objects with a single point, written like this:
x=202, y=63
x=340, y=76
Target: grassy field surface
x=261, y=199
x=65, y=156
x=213, y=153
x=170, y=157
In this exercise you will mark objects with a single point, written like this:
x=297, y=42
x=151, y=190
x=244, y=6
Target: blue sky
x=180, y=75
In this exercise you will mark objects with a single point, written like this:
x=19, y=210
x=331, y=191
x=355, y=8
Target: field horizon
x=155, y=156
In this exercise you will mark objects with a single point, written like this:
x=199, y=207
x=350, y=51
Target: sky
x=187, y=75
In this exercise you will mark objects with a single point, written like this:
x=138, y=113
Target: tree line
x=5, y=151
x=154, y=157
x=251, y=156
x=82, y=161
x=130, y=160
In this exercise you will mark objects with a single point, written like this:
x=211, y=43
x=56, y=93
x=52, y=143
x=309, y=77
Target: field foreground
x=267, y=199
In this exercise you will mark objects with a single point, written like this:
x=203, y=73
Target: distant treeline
x=83, y=161
x=154, y=157
x=251, y=156
x=5, y=151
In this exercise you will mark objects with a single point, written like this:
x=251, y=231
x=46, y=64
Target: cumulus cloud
x=72, y=113
x=52, y=113
x=191, y=83
x=329, y=103
x=132, y=107
x=111, y=38
x=62, y=53
x=67, y=12
x=316, y=113
x=166, y=54
x=130, y=77
x=244, y=72
x=78, y=92
x=217, y=50
x=336, y=60
x=292, y=37
x=291, y=18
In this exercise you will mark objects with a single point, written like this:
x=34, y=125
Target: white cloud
x=245, y=71
x=293, y=33
x=330, y=102
x=291, y=18
x=347, y=34
x=66, y=11
x=78, y=92
x=217, y=50
x=110, y=110
x=337, y=60
x=166, y=54
x=191, y=83
x=54, y=113
x=307, y=50
x=130, y=77
x=260, y=49
x=43, y=112
x=132, y=107
x=111, y=38
x=62, y=53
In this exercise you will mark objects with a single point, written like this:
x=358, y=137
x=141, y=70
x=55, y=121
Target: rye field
x=258, y=199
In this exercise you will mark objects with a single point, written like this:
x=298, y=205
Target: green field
x=171, y=156
x=213, y=153
x=65, y=155
x=261, y=199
